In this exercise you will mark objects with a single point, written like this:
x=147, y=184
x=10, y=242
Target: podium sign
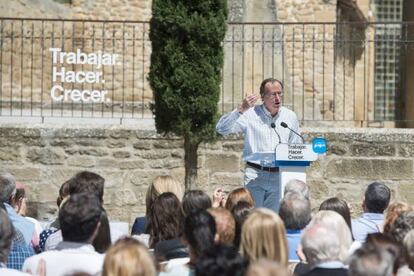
x=295, y=152
x=292, y=160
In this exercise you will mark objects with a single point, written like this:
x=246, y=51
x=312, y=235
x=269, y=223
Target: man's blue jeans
x=264, y=187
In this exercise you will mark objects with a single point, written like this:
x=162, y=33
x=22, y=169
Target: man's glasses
x=274, y=94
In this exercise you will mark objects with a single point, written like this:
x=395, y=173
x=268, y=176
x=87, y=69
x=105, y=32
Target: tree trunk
x=190, y=160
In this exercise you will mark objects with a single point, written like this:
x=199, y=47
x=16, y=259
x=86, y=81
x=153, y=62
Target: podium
x=292, y=160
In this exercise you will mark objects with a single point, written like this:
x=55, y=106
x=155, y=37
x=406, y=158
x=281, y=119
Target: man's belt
x=266, y=169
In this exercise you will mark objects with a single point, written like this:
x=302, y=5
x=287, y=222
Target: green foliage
x=186, y=63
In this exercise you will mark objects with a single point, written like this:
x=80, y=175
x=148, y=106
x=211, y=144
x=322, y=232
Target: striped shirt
x=259, y=136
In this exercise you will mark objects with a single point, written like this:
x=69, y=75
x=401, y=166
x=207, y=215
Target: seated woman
x=164, y=221
x=264, y=236
x=161, y=184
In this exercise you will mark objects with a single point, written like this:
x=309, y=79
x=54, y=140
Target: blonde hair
x=393, y=212
x=239, y=194
x=335, y=222
x=128, y=257
x=162, y=184
x=264, y=236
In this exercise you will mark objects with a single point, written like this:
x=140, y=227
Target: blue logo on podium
x=319, y=145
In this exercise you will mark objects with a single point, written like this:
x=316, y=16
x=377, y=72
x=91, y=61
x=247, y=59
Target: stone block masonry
x=43, y=157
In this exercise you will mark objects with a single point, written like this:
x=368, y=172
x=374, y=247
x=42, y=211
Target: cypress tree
x=185, y=72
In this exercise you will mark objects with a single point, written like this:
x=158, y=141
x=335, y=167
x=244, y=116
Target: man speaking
x=262, y=129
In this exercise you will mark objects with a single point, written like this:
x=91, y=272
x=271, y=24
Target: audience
x=376, y=200
x=240, y=213
x=128, y=257
x=196, y=199
x=225, y=225
x=192, y=238
x=295, y=211
x=161, y=184
x=79, y=219
x=264, y=236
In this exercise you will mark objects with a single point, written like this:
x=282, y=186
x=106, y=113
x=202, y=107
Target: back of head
x=199, y=231
x=79, y=217
x=240, y=213
x=264, y=236
x=221, y=260
x=264, y=267
x=387, y=243
x=165, y=218
x=338, y=227
x=297, y=186
x=370, y=260
x=402, y=225
x=320, y=244
x=225, y=225
x=239, y=194
x=340, y=206
x=6, y=235
x=7, y=187
x=409, y=249
x=377, y=197
x=128, y=257
x=87, y=182
x=295, y=211
x=162, y=184
x=195, y=199
x=393, y=212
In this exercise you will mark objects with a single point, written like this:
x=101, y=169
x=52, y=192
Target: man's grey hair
x=371, y=260
x=295, y=211
x=6, y=235
x=320, y=244
x=7, y=187
x=297, y=186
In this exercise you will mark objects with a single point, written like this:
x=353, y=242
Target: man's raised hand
x=247, y=102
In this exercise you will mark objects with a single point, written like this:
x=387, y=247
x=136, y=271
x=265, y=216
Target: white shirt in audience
x=12, y=272
x=69, y=258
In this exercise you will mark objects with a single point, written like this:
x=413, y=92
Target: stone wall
x=43, y=157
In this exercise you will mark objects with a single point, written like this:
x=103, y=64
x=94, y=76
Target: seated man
x=7, y=197
x=6, y=237
x=295, y=211
x=377, y=198
x=79, y=221
x=321, y=248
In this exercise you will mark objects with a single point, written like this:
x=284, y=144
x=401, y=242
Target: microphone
x=283, y=124
x=272, y=125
